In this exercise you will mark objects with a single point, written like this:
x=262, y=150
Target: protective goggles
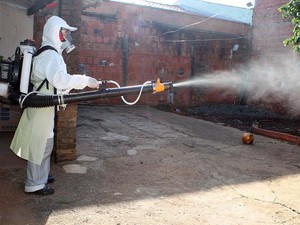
x=64, y=34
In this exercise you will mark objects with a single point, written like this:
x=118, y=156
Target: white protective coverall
x=36, y=124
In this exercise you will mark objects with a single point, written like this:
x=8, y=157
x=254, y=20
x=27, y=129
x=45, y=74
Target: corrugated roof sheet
x=225, y=12
x=151, y=4
x=230, y=13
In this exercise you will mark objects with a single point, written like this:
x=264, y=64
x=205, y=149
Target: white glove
x=92, y=82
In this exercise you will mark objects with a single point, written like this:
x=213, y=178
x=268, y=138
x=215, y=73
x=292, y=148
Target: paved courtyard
x=139, y=165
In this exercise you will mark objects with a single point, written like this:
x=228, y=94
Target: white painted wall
x=15, y=26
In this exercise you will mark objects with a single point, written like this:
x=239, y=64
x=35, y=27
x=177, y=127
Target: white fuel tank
x=28, y=49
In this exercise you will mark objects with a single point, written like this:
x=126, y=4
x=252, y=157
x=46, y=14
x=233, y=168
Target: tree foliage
x=291, y=11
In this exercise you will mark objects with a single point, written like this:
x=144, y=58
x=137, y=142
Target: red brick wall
x=151, y=53
x=66, y=120
x=268, y=51
x=65, y=134
x=269, y=29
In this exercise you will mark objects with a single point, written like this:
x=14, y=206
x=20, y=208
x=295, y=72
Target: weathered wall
x=158, y=46
x=15, y=26
x=269, y=30
x=275, y=59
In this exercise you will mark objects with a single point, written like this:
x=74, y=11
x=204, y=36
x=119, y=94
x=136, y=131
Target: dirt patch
x=241, y=117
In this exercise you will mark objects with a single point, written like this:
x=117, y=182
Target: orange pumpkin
x=248, y=138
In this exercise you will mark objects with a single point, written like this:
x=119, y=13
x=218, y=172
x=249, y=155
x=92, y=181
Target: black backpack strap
x=41, y=85
x=42, y=49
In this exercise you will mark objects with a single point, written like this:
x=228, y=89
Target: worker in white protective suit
x=33, y=139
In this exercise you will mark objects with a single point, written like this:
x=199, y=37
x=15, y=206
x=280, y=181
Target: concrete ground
x=138, y=165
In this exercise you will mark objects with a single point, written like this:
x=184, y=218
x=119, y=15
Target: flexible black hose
x=40, y=101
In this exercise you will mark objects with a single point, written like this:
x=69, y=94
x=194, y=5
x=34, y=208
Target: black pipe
x=125, y=50
x=40, y=101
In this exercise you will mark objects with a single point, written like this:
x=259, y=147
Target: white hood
x=51, y=32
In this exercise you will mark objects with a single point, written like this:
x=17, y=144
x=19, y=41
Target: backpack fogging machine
x=15, y=83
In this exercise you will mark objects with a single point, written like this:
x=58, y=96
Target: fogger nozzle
x=159, y=87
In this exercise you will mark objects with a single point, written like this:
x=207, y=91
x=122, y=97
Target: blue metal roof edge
x=227, y=12
x=211, y=14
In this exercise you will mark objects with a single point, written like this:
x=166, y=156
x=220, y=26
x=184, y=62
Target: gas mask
x=66, y=38
x=67, y=46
